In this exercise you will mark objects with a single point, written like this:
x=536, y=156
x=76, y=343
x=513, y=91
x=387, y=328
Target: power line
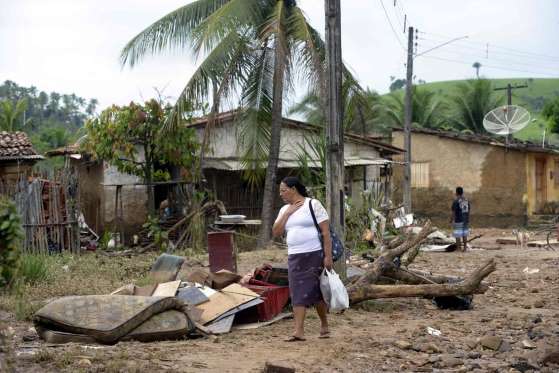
x=400, y=16
x=493, y=49
x=492, y=66
x=400, y=5
x=490, y=50
x=485, y=44
x=392, y=26
x=476, y=55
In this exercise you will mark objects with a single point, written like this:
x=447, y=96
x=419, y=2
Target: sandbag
x=106, y=318
x=170, y=324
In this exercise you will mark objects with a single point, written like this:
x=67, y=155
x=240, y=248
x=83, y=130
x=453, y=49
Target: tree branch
x=359, y=294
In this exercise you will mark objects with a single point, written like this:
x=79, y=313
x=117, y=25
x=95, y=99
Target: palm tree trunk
x=270, y=183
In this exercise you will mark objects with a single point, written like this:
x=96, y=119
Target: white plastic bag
x=333, y=291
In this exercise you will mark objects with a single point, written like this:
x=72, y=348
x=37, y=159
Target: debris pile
x=180, y=302
x=386, y=275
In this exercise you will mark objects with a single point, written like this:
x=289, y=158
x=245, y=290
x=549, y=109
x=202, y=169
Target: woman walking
x=306, y=255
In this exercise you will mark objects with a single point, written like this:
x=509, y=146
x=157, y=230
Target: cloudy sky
x=73, y=45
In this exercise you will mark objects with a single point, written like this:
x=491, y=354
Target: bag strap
x=314, y=217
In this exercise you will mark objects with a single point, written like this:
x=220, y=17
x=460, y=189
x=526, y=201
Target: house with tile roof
x=17, y=156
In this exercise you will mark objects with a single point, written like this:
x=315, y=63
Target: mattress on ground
x=107, y=318
x=170, y=324
x=52, y=336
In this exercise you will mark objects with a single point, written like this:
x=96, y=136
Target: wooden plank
x=230, y=297
x=167, y=289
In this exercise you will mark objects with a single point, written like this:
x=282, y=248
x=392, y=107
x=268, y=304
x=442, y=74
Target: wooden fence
x=49, y=212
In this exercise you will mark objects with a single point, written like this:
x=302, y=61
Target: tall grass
x=33, y=269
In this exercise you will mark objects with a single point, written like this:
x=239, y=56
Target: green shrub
x=159, y=236
x=10, y=236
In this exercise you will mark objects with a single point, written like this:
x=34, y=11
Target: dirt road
x=518, y=316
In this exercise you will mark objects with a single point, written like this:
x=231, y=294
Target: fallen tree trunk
x=359, y=293
x=417, y=284
x=410, y=277
x=384, y=261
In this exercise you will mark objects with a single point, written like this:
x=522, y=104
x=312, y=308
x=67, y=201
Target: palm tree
x=363, y=110
x=477, y=66
x=427, y=110
x=10, y=113
x=252, y=47
x=470, y=102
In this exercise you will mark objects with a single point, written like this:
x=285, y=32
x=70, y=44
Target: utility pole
x=509, y=89
x=407, y=124
x=334, y=131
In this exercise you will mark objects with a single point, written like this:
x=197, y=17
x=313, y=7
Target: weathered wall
x=10, y=172
x=549, y=178
x=134, y=200
x=494, y=179
x=90, y=177
x=223, y=144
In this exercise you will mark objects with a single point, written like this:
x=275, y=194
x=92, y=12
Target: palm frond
x=254, y=126
x=226, y=65
x=173, y=31
x=253, y=136
x=240, y=15
x=470, y=102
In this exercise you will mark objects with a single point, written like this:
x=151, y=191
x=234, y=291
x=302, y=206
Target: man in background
x=460, y=219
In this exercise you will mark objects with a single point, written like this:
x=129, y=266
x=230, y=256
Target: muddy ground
x=521, y=310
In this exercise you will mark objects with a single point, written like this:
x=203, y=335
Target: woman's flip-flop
x=294, y=338
x=324, y=335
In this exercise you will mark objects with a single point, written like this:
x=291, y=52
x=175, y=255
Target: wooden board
x=167, y=289
x=230, y=297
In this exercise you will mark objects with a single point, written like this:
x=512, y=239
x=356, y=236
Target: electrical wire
x=392, y=26
x=495, y=46
x=546, y=74
x=400, y=5
x=400, y=16
x=466, y=53
x=493, y=49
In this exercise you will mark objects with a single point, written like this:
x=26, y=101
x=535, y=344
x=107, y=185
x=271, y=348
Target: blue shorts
x=460, y=230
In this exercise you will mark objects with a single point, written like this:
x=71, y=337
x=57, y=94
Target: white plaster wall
x=223, y=143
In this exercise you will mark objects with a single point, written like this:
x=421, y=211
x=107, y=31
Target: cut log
x=359, y=293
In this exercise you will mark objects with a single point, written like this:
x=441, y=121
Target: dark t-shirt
x=461, y=210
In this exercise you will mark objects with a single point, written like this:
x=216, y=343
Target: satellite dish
x=505, y=120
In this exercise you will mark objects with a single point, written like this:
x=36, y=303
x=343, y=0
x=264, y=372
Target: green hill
x=532, y=98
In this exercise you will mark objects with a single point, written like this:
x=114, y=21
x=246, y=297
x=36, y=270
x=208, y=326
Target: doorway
x=541, y=185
